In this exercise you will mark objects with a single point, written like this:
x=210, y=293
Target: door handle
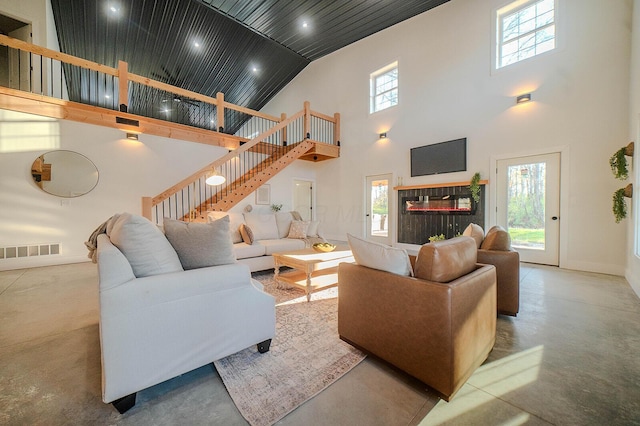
x=554, y=217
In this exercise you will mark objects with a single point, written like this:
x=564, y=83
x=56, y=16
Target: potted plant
x=474, y=186
x=618, y=162
x=276, y=207
x=440, y=237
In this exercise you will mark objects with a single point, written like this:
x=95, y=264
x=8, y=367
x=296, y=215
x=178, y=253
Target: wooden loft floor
x=20, y=101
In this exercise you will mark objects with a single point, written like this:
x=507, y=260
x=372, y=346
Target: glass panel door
x=528, y=205
x=377, y=214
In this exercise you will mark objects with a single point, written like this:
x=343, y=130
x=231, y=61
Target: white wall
x=633, y=261
x=128, y=170
x=38, y=14
x=447, y=91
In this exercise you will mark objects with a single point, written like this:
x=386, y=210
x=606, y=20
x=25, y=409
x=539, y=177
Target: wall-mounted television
x=443, y=157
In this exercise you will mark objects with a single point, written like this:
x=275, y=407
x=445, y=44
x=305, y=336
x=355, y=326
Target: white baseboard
x=599, y=268
x=37, y=261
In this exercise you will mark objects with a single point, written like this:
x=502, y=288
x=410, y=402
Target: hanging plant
x=618, y=162
x=474, y=186
x=619, y=205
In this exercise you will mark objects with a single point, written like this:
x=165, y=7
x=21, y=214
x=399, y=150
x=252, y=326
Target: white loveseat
x=158, y=321
x=271, y=233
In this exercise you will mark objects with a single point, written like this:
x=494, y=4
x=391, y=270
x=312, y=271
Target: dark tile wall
x=416, y=228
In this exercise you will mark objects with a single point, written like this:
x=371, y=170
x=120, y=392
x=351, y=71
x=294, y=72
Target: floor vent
x=29, y=251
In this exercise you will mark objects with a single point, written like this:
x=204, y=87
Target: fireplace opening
x=439, y=204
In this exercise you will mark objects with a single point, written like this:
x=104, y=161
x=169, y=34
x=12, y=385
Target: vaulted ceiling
x=247, y=49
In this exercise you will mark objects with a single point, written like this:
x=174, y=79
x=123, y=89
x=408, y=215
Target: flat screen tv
x=443, y=157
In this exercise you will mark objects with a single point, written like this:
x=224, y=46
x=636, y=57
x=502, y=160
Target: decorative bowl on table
x=324, y=247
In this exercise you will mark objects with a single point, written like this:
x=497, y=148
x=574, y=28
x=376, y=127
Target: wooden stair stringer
x=260, y=178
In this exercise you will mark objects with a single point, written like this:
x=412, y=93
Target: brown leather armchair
x=507, y=265
x=495, y=249
x=438, y=326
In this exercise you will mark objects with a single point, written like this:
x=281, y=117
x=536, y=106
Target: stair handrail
x=217, y=163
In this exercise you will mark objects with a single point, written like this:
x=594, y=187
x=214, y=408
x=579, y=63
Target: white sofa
x=158, y=321
x=271, y=234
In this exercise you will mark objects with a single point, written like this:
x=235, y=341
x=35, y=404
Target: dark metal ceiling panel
x=156, y=38
x=331, y=24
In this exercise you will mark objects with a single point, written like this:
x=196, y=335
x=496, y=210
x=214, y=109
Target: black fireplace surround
x=425, y=212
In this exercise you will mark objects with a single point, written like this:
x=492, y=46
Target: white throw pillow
x=144, y=245
x=312, y=231
x=380, y=256
x=298, y=229
x=264, y=226
x=235, y=220
x=200, y=245
x=283, y=220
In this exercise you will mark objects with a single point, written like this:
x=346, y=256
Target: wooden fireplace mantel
x=437, y=185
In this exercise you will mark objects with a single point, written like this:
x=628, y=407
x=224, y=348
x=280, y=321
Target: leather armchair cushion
x=444, y=261
x=497, y=239
x=476, y=232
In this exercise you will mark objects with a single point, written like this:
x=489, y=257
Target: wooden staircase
x=245, y=170
x=240, y=188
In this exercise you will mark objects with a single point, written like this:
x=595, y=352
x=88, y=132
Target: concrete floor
x=571, y=357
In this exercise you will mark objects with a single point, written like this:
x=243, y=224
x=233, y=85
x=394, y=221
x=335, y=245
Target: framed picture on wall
x=263, y=195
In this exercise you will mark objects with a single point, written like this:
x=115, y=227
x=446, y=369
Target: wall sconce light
x=132, y=136
x=383, y=135
x=215, y=178
x=523, y=98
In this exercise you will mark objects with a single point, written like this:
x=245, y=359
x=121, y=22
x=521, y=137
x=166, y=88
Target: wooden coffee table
x=312, y=270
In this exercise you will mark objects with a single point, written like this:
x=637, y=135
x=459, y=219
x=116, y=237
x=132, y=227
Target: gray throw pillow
x=144, y=246
x=200, y=245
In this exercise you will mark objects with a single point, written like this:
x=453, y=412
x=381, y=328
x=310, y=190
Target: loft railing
x=49, y=73
x=52, y=74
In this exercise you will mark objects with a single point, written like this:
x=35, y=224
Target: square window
x=384, y=88
x=525, y=29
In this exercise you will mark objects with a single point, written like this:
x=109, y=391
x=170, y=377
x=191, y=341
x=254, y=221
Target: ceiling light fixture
x=215, y=178
x=305, y=24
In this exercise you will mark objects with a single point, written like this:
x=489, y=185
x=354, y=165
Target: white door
x=528, y=205
x=303, y=198
x=378, y=213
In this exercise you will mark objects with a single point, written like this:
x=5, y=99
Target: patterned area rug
x=305, y=357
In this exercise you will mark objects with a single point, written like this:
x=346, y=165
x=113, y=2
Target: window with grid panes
x=384, y=88
x=525, y=29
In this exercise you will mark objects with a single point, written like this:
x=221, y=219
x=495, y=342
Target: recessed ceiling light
x=305, y=24
x=255, y=69
x=196, y=44
x=113, y=9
